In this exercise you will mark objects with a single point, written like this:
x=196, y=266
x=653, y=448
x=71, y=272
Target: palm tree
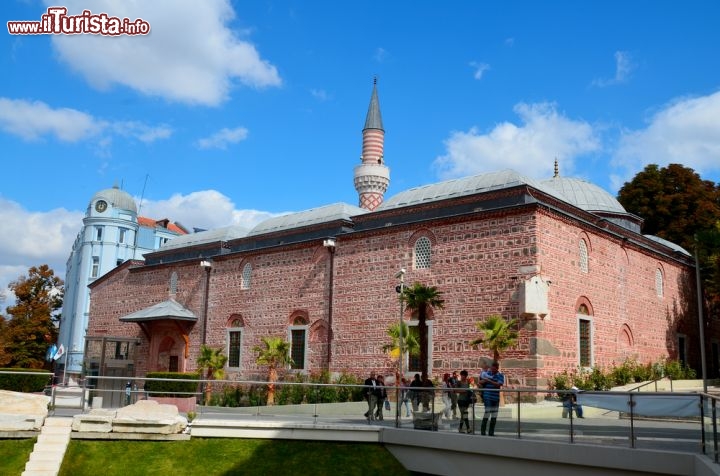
x=212, y=362
x=497, y=334
x=419, y=299
x=275, y=353
x=409, y=341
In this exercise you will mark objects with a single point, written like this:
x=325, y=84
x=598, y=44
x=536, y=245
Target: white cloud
x=509, y=41
x=531, y=148
x=222, y=138
x=685, y=131
x=33, y=119
x=623, y=68
x=479, y=68
x=191, y=55
x=381, y=55
x=142, y=132
x=34, y=238
x=47, y=237
x=320, y=94
x=206, y=209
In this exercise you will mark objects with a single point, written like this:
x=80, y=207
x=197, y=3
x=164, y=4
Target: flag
x=60, y=352
x=52, y=350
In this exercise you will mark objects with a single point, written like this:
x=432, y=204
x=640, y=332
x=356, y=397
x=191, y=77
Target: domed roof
x=116, y=198
x=584, y=194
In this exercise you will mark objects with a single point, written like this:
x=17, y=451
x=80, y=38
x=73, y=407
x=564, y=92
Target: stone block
x=98, y=421
x=22, y=411
x=148, y=416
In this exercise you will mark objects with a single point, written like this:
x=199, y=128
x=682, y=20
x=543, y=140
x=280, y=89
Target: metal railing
x=677, y=421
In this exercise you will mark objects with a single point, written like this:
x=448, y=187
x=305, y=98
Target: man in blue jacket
x=491, y=379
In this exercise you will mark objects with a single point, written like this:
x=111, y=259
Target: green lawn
x=14, y=454
x=226, y=456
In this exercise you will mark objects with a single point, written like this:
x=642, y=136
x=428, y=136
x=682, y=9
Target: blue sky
x=230, y=112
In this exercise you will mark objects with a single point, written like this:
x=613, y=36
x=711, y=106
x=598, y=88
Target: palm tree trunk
x=272, y=377
x=422, y=331
x=208, y=387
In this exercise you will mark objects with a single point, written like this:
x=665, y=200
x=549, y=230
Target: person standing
x=371, y=395
x=463, y=392
x=405, y=395
x=415, y=391
x=428, y=394
x=452, y=382
x=446, y=391
x=491, y=381
x=381, y=397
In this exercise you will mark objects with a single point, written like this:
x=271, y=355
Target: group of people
x=459, y=393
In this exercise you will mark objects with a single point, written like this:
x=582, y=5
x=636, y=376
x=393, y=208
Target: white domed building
x=112, y=234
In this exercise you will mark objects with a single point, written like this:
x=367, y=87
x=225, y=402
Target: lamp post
x=207, y=265
x=400, y=289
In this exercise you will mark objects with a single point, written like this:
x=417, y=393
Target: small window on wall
x=583, y=256
x=234, y=347
x=246, y=275
x=585, y=343
x=122, y=237
x=95, y=267
x=98, y=233
x=659, y=282
x=297, y=348
x=422, y=252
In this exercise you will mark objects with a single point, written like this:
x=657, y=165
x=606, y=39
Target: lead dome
x=116, y=198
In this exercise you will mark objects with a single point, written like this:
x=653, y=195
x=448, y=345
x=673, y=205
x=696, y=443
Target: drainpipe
x=330, y=245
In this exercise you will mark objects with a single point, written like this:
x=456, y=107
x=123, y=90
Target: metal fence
x=677, y=421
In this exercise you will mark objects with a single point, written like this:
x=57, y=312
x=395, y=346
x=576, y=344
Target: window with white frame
x=98, y=233
x=234, y=340
x=584, y=337
x=422, y=252
x=583, y=256
x=412, y=360
x=122, y=236
x=246, y=275
x=298, y=343
x=95, y=267
x=659, y=282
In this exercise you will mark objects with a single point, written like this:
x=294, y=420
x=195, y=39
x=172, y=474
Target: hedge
x=24, y=383
x=168, y=388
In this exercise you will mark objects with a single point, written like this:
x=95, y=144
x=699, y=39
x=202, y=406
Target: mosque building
x=561, y=255
x=112, y=233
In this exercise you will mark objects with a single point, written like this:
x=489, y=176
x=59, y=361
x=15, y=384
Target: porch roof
x=170, y=309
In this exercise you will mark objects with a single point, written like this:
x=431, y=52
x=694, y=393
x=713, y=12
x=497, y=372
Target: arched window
x=297, y=335
x=659, y=282
x=584, y=336
x=246, y=275
x=234, y=340
x=583, y=256
x=422, y=252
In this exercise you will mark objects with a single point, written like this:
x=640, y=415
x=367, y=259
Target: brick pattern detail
x=370, y=201
x=476, y=262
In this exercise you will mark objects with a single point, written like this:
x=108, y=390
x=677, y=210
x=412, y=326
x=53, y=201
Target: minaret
x=372, y=177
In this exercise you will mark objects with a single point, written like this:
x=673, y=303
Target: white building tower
x=112, y=233
x=372, y=177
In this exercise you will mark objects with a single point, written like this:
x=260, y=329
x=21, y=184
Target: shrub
x=170, y=388
x=16, y=382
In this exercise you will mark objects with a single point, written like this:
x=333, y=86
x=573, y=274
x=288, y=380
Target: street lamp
x=207, y=265
x=400, y=288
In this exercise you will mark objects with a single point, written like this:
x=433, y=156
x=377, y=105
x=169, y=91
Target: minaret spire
x=372, y=177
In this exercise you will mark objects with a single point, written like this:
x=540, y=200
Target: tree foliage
x=420, y=299
x=212, y=362
x=274, y=353
x=679, y=206
x=29, y=329
x=410, y=343
x=498, y=335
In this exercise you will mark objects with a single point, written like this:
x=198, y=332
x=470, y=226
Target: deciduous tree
x=30, y=327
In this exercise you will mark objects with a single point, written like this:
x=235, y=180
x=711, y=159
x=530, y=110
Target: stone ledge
x=128, y=436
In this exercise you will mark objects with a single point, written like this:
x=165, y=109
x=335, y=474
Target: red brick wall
x=474, y=261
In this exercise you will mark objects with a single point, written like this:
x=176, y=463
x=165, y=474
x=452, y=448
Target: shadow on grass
x=226, y=457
